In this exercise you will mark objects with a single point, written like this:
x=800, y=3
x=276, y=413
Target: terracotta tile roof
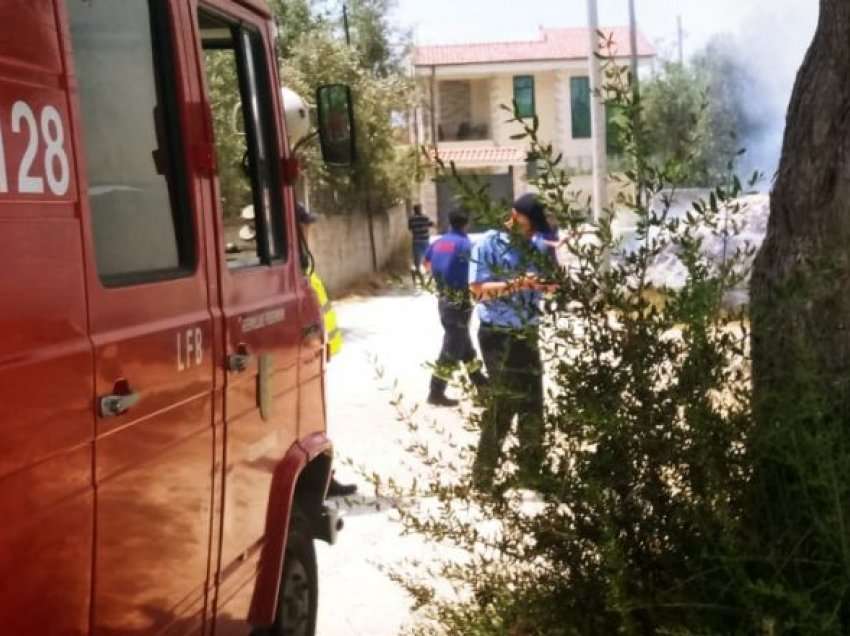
x=554, y=44
x=483, y=155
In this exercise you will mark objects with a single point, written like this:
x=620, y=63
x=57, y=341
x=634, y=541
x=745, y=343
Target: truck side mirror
x=336, y=124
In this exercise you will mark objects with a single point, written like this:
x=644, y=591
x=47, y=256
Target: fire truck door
x=150, y=321
x=256, y=285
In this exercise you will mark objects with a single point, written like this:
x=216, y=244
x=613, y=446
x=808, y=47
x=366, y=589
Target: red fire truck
x=163, y=457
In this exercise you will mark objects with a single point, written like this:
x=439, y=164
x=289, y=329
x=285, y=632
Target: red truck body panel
x=168, y=516
x=46, y=382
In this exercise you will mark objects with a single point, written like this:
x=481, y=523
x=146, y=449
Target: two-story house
x=464, y=87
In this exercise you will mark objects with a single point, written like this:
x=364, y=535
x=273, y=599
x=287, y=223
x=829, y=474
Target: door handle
x=238, y=362
x=310, y=331
x=115, y=405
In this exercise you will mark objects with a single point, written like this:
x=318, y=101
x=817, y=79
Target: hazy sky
x=447, y=21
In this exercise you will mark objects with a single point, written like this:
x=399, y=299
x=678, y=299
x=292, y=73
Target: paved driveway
x=397, y=333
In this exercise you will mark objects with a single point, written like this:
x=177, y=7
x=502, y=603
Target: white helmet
x=247, y=232
x=297, y=115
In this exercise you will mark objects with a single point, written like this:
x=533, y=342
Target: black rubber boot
x=439, y=399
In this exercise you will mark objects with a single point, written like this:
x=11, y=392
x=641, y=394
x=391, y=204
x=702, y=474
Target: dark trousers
x=512, y=359
x=455, y=315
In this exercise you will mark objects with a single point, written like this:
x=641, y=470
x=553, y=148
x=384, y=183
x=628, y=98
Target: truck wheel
x=298, y=599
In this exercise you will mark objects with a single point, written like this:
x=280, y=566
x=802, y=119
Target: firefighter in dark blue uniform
x=448, y=260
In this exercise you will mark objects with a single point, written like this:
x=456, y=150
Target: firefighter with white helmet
x=297, y=115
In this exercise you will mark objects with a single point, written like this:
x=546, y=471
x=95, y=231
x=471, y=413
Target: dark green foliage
x=675, y=103
x=380, y=46
x=314, y=52
x=225, y=99
x=297, y=20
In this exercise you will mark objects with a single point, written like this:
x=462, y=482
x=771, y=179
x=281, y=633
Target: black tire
x=298, y=598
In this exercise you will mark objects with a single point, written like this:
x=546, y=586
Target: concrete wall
x=341, y=247
x=502, y=93
x=544, y=101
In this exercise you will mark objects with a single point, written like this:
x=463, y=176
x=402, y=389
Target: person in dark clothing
x=504, y=281
x=420, y=228
x=448, y=260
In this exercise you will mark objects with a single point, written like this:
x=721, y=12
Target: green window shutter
x=524, y=95
x=613, y=134
x=580, y=102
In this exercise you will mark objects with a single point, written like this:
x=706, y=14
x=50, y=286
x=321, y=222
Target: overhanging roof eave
x=546, y=60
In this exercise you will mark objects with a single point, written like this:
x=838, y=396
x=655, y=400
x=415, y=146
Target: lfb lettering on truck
x=190, y=348
x=163, y=456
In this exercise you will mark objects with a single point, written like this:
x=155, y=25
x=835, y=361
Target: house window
x=580, y=104
x=524, y=95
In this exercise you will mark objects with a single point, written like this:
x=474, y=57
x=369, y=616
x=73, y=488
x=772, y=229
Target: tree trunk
x=801, y=279
x=800, y=447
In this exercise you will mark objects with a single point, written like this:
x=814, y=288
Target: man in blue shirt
x=504, y=279
x=448, y=260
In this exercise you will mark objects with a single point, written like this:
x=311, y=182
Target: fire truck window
x=245, y=146
x=137, y=191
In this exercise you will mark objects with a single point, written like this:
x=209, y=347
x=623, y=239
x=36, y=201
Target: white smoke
x=772, y=44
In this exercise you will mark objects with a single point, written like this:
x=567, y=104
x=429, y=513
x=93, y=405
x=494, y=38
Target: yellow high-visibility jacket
x=331, y=328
